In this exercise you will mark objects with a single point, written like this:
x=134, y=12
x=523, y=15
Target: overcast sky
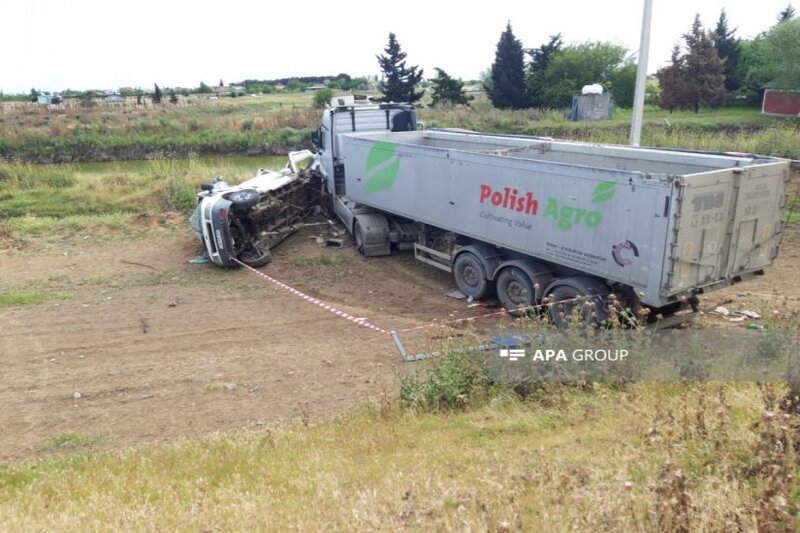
x=53, y=45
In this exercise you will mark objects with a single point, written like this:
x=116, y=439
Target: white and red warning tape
x=365, y=323
x=392, y=334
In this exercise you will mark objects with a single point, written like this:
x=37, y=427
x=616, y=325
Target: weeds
x=69, y=441
x=775, y=464
x=456, y=380
x=20, y=298
x=322, y=261
x=673, y=507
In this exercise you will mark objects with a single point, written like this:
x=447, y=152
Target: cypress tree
x=507, y=89
x=540, y=59
x=448, y=90
x=729, y=51
x=157, y=95
x=705, y=71
x=399, y=80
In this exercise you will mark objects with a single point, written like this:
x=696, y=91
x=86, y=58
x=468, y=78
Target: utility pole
x=641, y=75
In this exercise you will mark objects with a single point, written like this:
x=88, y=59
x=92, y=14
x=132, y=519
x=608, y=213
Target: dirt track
x=147, y=347
x=164, y=349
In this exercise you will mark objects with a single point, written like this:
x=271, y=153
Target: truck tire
x=470, y=276
x=245, y=198
x=565, y=295
x=515, y=291
x=358, y=237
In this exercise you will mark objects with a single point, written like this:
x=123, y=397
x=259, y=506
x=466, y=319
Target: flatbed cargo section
x=666, y=223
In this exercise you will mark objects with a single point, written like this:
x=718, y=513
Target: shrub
x=457, y=379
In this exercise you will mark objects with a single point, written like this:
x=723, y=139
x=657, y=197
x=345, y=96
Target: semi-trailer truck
x=532, y=219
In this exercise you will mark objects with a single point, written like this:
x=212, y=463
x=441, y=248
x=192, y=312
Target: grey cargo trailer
x=665, y=225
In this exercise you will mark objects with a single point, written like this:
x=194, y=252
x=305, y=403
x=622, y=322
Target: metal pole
x=641, y=75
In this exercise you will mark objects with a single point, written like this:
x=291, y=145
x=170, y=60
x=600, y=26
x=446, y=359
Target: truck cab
x=350, y=116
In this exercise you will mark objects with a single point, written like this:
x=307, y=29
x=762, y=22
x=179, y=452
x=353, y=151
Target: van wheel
x=253, y=257
x=244, y=199
x=515, y=291
x=470, y=276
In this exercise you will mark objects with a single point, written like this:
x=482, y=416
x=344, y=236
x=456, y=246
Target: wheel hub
x=518, y=293
x=471, y=275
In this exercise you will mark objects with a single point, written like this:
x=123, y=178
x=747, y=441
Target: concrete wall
x=592, y=107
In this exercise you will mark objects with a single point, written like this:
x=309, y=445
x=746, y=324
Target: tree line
x=712, y=67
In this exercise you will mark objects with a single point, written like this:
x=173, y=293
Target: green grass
x=69, y=441
x=727, y=129
x=569, y=460
x=32, y=225
x=20, y=298
x=151, y=187
x=273, y=124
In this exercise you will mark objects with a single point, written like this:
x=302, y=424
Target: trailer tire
x=471, y=276
x=515, y=291
x=564, y=295
x=245, y=198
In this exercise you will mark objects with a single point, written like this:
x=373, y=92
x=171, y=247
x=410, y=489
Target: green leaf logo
x=382, y=167
x=603, y=192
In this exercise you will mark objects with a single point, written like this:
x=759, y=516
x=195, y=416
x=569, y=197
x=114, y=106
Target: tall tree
x=673, y=83
x=728, y=49
x=539, y=61
x=156, y=95
x=623, y=85
x=399, y=80
x=575, y=66
x=34, y=95
x=448, y=90
x=507, y=89
x=786, y=14
x=705, y=71
x=780, y=56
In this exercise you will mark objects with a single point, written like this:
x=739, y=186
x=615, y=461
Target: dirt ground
x=141, y=346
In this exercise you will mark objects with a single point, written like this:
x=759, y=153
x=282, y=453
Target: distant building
x=48, y=98
x=230, y=90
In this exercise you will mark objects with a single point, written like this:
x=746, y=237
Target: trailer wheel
x=470, y=276
x=576, y=299
x=515, y=291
